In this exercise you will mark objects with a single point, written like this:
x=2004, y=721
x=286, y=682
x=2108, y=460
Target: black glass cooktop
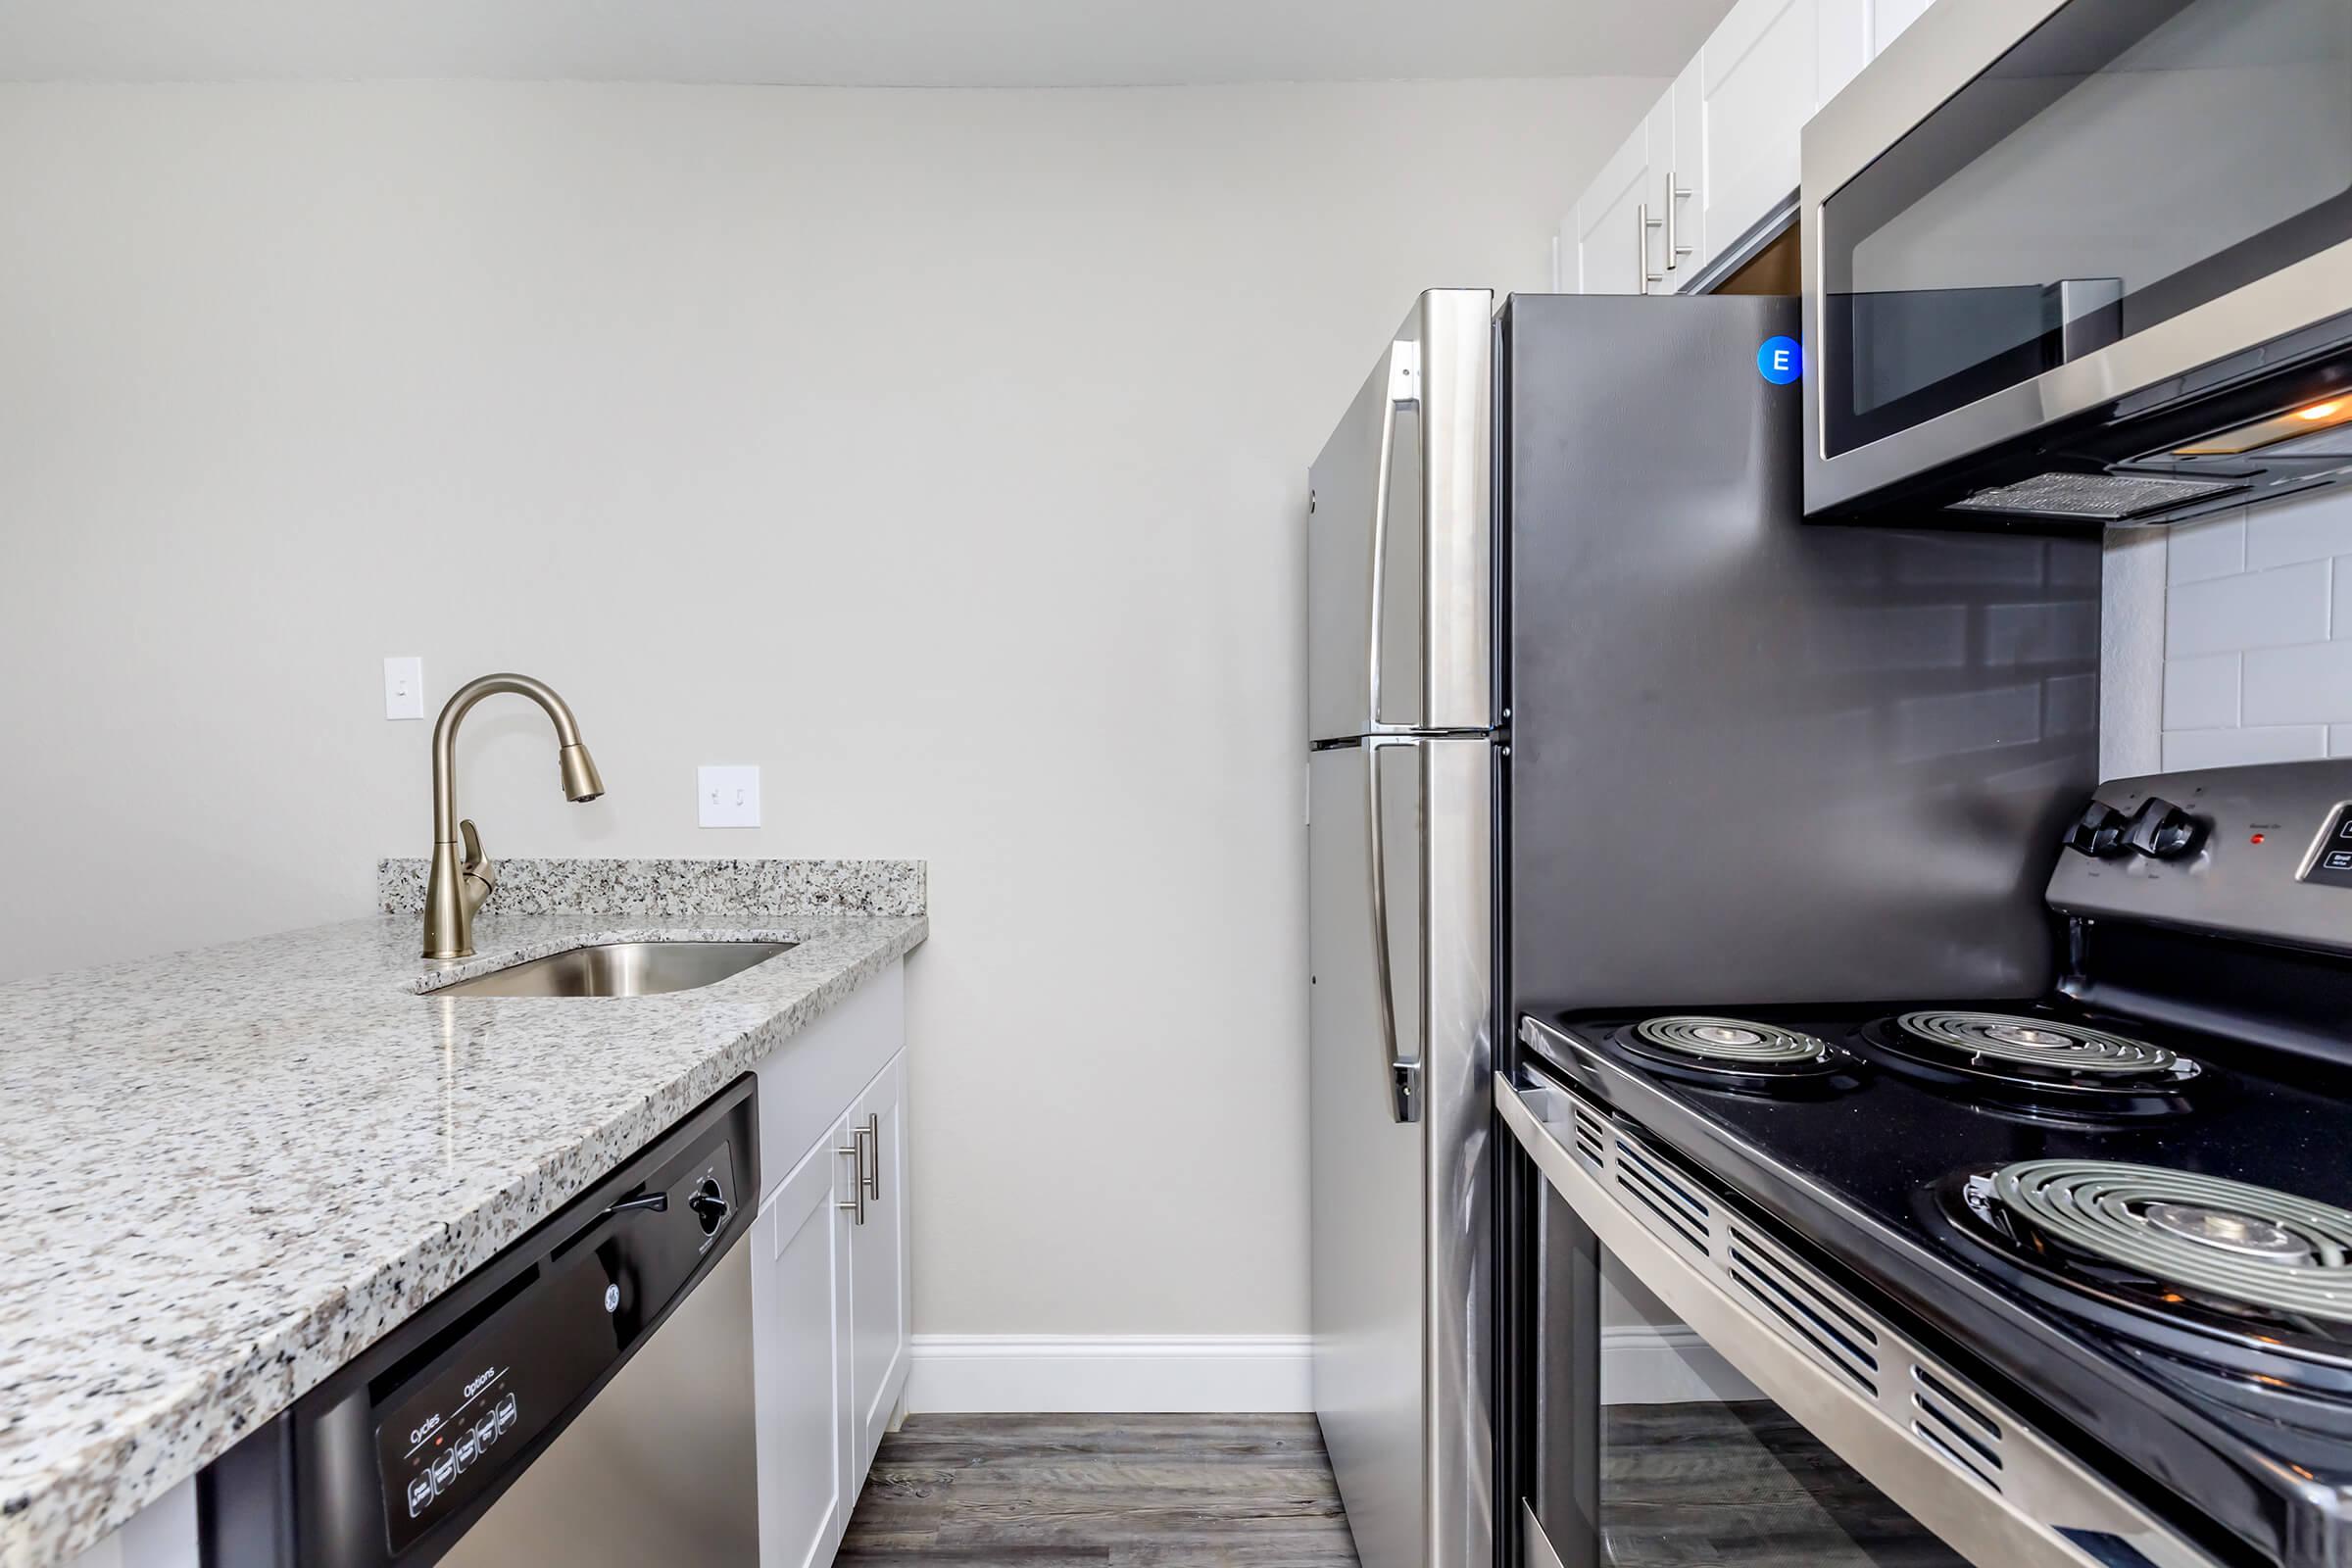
x=1874, y=1134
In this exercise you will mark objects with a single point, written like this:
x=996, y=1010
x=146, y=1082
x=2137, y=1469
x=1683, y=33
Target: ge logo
x=1781, y=360
x=611, y=1297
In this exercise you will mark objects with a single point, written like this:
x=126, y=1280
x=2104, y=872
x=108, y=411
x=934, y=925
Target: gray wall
x=942, y=453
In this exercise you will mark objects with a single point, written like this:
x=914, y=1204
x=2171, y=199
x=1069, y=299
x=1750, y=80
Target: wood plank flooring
x=1115, y=1491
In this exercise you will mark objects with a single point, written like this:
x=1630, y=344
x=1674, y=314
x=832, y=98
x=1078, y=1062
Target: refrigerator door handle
x=1404, y=392
x=1403, y=1076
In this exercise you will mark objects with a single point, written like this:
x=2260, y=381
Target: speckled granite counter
x=233, y=1169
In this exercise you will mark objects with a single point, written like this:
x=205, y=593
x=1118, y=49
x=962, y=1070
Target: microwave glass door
x=2126, y=162
x=1682, y=1460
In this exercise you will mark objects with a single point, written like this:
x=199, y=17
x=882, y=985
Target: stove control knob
x=2099, y=832
x=710, y=1206
x=2161, y=830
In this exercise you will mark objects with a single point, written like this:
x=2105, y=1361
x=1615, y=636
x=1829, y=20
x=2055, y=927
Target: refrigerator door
x=1399, y=560
x=1401, y=1107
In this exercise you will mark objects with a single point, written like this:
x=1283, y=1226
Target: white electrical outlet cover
x=404, y=688
x=727, y=797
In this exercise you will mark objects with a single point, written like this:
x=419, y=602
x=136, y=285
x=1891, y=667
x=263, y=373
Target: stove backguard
x=2246, y=933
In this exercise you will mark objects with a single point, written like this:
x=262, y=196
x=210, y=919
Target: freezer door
x=1399, y=562
x=1399, y=1110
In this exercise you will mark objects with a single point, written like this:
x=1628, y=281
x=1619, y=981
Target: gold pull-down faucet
x=453, y=889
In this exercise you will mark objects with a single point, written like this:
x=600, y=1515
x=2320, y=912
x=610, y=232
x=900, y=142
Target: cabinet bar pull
x=855, y=1203
x=870, y=1174
x=1676, y=195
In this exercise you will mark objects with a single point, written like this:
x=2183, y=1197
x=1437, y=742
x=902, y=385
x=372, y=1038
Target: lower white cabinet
x=800, y=1319
x=832, y=1326
x=881, y=1319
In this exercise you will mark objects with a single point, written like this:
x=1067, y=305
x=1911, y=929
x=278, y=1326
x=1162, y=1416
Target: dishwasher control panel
x=393, y=1458
x=456, y=1429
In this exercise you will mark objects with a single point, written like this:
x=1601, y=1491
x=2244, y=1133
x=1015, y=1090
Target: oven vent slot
x=1955, y=1426
x=1962, y=1455
x=1592, y=1140
x=1814, y=1318
x=1655, y=1185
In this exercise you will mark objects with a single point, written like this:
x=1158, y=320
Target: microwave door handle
x=1405, y=391
x=1403, y=1077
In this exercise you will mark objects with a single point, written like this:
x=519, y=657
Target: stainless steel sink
x=620, y=970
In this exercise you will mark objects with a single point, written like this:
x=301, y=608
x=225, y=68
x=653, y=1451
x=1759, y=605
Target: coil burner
x=1732, y=1052
x=2225, y=1259
x=2063, y=1070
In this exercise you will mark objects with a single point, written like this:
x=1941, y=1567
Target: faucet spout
x=455, y=889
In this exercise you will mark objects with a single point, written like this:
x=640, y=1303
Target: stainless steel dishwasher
x=584, y=1400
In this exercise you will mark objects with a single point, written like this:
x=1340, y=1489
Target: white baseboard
x=1121, y=1373
x=1253, y=1373
x=1643, y=1363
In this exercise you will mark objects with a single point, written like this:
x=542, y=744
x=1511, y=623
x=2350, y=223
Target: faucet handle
x=480, y=876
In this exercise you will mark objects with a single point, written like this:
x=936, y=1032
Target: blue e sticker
x=1780, y=361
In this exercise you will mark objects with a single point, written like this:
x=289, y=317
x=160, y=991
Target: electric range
x=2061, y=1279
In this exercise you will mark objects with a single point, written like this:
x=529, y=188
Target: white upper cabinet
x=1888, y=19
x=1758, y=84
x=1609, y=247
x=1685, y=234
x=1718, y=154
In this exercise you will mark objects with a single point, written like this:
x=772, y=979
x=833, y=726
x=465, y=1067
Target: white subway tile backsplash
x=2255, y=609
x=2201, y=693
x=2307, y=684
x=2213, y=548
x=2228, y=748
x=2339, y=740
x=2308, y=527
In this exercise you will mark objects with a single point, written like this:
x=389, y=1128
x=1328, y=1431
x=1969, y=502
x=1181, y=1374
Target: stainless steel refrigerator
x=1402, y=715
x=1596, y=716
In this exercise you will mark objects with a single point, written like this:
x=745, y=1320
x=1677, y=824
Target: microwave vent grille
x=2106, y=496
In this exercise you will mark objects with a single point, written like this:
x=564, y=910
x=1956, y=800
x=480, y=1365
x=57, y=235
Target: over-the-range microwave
x=2084, y=260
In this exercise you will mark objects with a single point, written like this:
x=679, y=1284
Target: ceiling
x=980, y=43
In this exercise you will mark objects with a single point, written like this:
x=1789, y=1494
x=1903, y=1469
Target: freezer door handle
x=1403, y=1075
x=1404, y=392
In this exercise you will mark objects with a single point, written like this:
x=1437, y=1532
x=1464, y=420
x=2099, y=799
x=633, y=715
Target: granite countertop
x=233, y=1169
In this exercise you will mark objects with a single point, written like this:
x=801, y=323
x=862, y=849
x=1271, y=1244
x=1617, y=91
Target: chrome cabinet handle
x=1405, y=391
x=1676, y=195
x=1403, y=1077
x=870, y=1174
x=855, y=1203
x=1642, y=225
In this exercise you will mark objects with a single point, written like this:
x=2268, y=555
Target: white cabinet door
x=1682, y=243
x=1757, y=75
x=799, y=1340
x=1888, y=19
x=1844, y=32
x=881, y=1324
x=1617, y=224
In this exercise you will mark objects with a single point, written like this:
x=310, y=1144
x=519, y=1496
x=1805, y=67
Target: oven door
x=2072, y=234
x=1701, y=1394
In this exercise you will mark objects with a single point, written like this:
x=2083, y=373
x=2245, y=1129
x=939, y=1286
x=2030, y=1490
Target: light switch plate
x=727, y=797
x=404, y=688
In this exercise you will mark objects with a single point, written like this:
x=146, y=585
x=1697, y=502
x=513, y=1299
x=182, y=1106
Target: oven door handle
x=1908, y=1423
